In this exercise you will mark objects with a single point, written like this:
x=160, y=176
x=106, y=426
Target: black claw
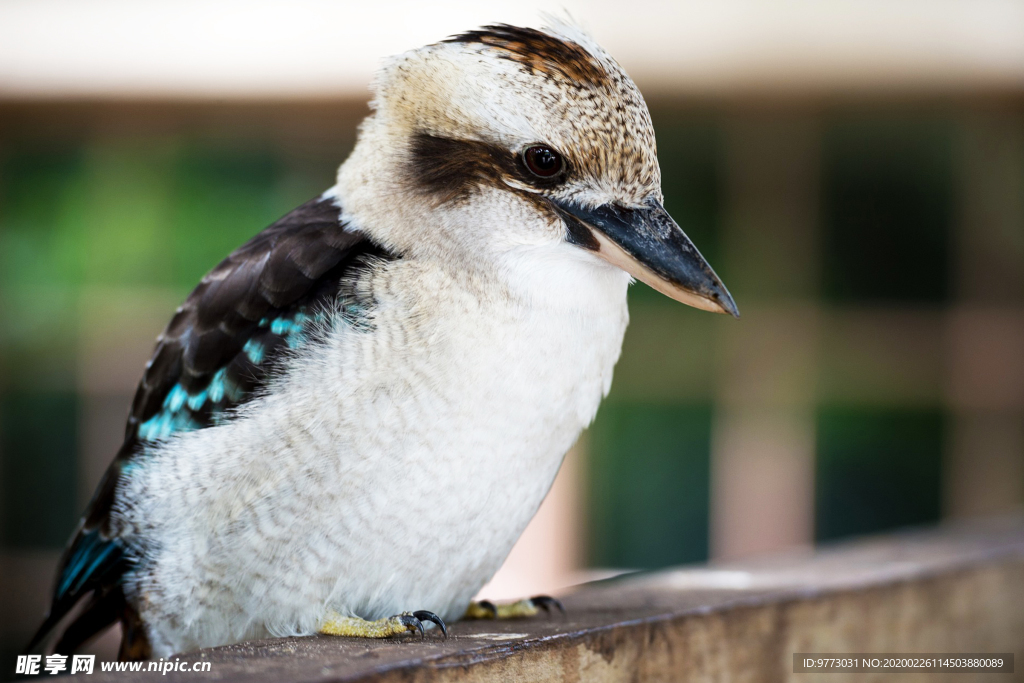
x=424, y=615
x=413, y=620
x=546, y=601
x=487, y=604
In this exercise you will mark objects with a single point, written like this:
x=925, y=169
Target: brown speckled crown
x=614, y=135
x=540, y=52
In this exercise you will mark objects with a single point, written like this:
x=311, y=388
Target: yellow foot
x=485, y=609
x=337, y=625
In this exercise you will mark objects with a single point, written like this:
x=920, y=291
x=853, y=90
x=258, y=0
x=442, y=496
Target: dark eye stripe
x=451, y=169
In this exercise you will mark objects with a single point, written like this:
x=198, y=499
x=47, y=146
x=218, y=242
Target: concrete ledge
x=954, y=589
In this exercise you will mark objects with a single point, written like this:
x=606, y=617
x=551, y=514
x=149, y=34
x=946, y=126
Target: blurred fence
x=875, y=248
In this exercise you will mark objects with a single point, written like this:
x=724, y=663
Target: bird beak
x=650, y=246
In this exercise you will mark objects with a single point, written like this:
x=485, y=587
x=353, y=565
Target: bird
x=349, y=422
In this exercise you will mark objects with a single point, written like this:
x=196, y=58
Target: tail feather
x=56, y=613
x=92, y=566
x=102, y=611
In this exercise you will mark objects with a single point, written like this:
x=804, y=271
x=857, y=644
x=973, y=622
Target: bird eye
x=543, y=161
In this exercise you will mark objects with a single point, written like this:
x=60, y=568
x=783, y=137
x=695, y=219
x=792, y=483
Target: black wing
x=215, y=354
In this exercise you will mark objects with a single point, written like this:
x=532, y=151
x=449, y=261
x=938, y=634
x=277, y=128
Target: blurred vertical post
x=549, y=555
x=762, y=458
x=985, y=325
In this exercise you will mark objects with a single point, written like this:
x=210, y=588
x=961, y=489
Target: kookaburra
x=349, y=422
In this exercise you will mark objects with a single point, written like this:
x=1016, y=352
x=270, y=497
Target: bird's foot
x=337, y=625
x=485, y=609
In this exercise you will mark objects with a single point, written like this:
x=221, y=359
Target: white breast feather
x=390, y=470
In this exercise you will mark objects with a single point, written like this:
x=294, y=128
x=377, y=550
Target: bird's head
x=541, y=132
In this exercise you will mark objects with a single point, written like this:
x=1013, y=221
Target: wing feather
x=215, y=354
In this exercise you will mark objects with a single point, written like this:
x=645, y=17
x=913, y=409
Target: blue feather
x=281, y=326
x=91, y=558
x=217, y=385
x=291, y=328
x=175, y=416
x=254, y=350
x=165, y=423
x=196, y=402
x=176, y=398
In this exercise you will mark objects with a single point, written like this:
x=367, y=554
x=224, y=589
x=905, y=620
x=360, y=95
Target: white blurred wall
x=330, y=48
